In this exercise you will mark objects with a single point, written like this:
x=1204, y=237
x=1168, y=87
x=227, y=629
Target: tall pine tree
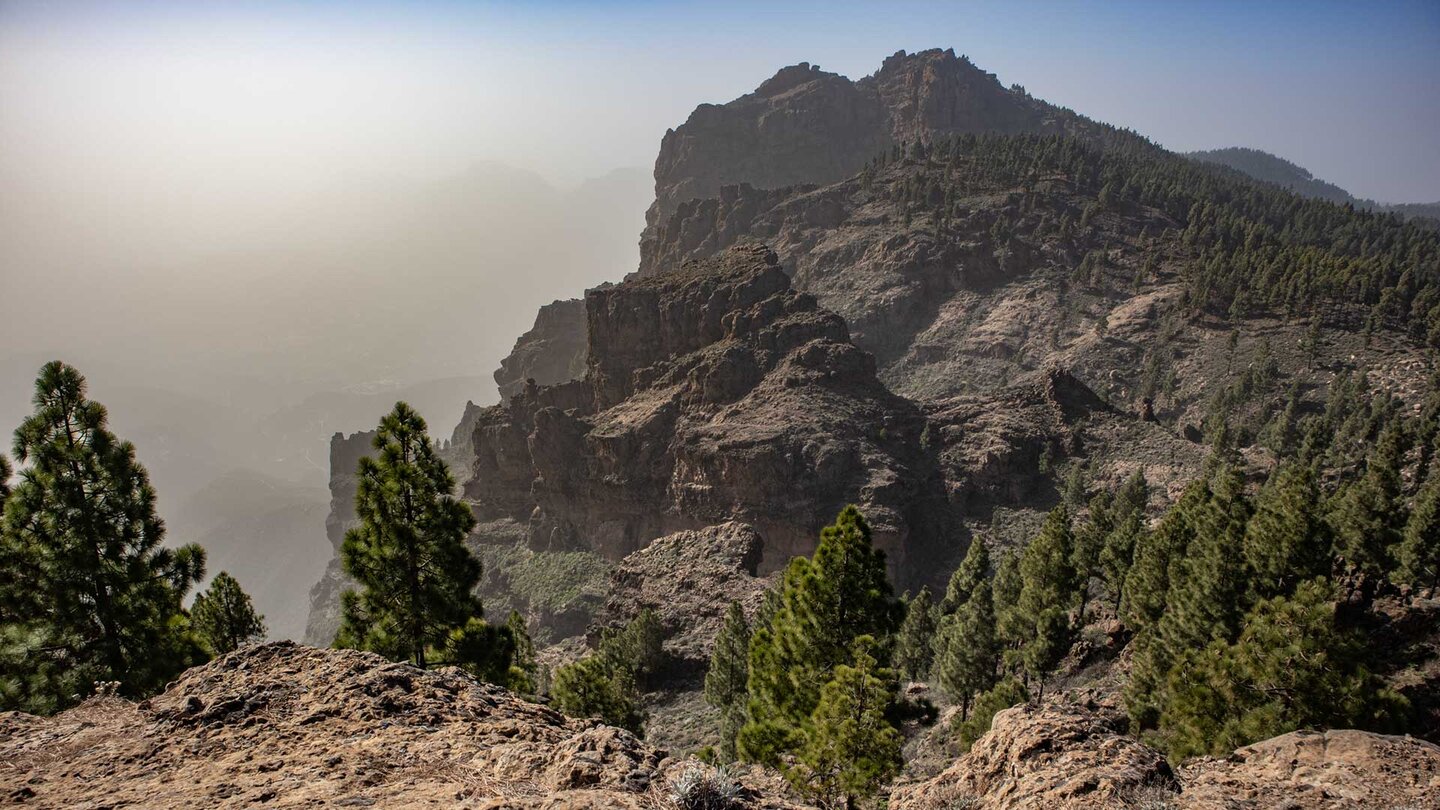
x=1287, y=541
x=826, y=602
x=851, y=749
x=967, y=653
x=1368, y=515
x=725, y=680
x=1049, y=590
x=416, y=578
x=972, y=571
x=915, y=644
x=89, y=589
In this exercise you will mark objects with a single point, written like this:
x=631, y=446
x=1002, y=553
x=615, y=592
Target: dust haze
x=243, y=261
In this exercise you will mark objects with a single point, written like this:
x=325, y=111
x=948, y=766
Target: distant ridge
x=1270, y=168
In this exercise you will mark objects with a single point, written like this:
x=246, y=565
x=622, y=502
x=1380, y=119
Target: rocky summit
x=282, y=725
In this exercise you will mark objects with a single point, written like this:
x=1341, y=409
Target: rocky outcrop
x=1050, y=758
x=1311, y=770
x=804, y=125
x=712, y=393
x=689, y=579
x=345, y=455
x=553, y=351
x=1076, y=757
x=282, y=725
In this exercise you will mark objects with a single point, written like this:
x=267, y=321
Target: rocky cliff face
x=553, y=351
x=712, y=393
x=345, y=455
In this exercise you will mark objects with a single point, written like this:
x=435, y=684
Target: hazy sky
x=275, y=95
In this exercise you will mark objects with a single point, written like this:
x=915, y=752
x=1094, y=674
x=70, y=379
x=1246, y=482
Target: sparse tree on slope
x=89, y=590
x=826, y=603
x=967, y=655
x=637, y=650
x=523, y=668
x=223, y=616
x=852, y=749
x=725, y=680
x=915, y=644
x=416, y=577
x=968, y=576
x=1006, y=693
x=589, y=688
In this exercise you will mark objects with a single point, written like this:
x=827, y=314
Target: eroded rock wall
x=712, y=393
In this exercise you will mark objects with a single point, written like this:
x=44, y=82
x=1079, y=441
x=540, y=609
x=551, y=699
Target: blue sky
x=571, y=89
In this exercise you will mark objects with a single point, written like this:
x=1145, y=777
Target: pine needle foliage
x=88, y=593
x=416, y=577
x=224, y=617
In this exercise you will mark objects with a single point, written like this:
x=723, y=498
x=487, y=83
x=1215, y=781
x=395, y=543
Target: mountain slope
x=1273, y=169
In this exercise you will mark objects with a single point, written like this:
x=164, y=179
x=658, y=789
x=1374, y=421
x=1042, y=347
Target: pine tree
x=523, y=668
x=1157, y=553
x=725, y=680
x=852, y=749
x=1091, y=535
x=223, y=616
x=1292, y=667
x=1049, y=589
x=1368, y=516
x=1206, y=603
x=972, y=571
x=637, y=650
x=89, y=590
x=588, y=688
x=416, y=577
x=915, y=644
x=1118, y=554
x=1419, y=551
x=826, y=602
x=484, y=650
x=967, y=652
x=1005, y=593
x=1159, y=562
x=1287, y=541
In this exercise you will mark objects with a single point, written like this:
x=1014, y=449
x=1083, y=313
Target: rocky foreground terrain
x=283, y=725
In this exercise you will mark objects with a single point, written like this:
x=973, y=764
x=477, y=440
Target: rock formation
x=712, y=393
x=689, y=579
x=281, y=725
x=345, y=455
x=553, y=351
x=804, y=125
x=1075, y=757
